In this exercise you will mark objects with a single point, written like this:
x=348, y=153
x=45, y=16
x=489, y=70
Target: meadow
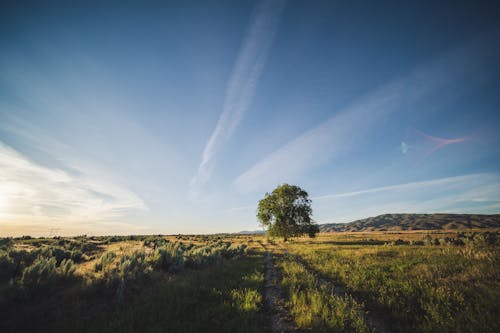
x=419, y=281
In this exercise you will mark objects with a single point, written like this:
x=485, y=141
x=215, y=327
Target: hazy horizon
x=177, y=117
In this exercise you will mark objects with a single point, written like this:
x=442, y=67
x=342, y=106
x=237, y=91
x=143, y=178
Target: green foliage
x=76, y=256
x=286, y=212
x=169, y=257
x=7, y=267
x=469, y=239
x=5, y=243
x=67, y=268
x=40, y=272
x=418, y=288
x=58, y=253
x=311, y=230
x=211, y=300
x=45, y=270
x=23, y=258
x=155, y=241
x=105, y=260
x=43, y=277
x=246, y=299
x=314, y=306
x=450, y=285
x=132, y=267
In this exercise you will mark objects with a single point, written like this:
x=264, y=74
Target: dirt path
x=280, y=318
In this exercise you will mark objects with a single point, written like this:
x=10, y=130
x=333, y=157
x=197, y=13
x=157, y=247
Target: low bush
x=247, y=299
x=133, y=267
x=40, y=272
x=169, y=257
x=7, y=267
x=5, y=243
x=155, y=241
x=105, y=260
x=67, y=268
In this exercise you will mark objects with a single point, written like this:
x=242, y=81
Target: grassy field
x=337, y=282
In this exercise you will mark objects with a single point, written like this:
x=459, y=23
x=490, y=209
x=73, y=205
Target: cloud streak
x=46, y=196
x=337, y=135
x=458, y=180
x=473, y=193
x=242, y=84
x=322, y=143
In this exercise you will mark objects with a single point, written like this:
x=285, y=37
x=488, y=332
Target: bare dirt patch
x=280, y=317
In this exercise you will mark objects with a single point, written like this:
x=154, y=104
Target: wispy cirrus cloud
x=448, y=182
x=322, y=143
x=338, y=134
x=242, y=84
x=44, y=197
x=472, y=193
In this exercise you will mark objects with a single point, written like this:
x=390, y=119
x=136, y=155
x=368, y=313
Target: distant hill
x=395, y=222
x=253, y=232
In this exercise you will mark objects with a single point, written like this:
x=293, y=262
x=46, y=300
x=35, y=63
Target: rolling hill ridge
x=395, y=222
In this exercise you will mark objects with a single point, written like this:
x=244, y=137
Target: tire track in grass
x=279, y=315
x=373, y=321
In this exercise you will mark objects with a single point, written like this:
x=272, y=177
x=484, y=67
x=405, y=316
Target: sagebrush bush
x=132, y=267
x=41, y=271
x=7, y=267
x=155, y=241
x=169, y=257
x=58, y=253
x=23, y=258
x=67, y=268
x=105, y=260
x=5, y=242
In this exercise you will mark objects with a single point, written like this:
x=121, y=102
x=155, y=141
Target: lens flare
x=419, y=145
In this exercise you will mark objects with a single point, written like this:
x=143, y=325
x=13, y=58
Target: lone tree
x=286, y=212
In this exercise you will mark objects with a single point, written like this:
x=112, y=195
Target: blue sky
x=176, y=117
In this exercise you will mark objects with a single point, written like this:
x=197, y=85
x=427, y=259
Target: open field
x=439, y=281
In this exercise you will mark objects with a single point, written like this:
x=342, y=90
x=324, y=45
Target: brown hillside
x=396, y=222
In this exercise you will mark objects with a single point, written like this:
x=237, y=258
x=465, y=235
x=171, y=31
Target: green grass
x=154, y=285
x=313, y=305
x=412, y=282
x=416, y=288
x=224, y=298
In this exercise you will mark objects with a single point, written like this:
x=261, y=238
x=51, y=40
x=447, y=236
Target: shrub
x=133, y=266
x=428, y=240
x=169, y=257
x=67, y=268
x=41, y=271
x=247, y=299
x=76, y=256
x=7, y=267
x=105, y=260
x=5, y=242
x=155, y=241
x=23, y=258
x=58, y=253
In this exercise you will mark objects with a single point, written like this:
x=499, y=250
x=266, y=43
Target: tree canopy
x=286, y=212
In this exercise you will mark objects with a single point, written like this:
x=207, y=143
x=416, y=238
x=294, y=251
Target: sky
x=142, y=117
